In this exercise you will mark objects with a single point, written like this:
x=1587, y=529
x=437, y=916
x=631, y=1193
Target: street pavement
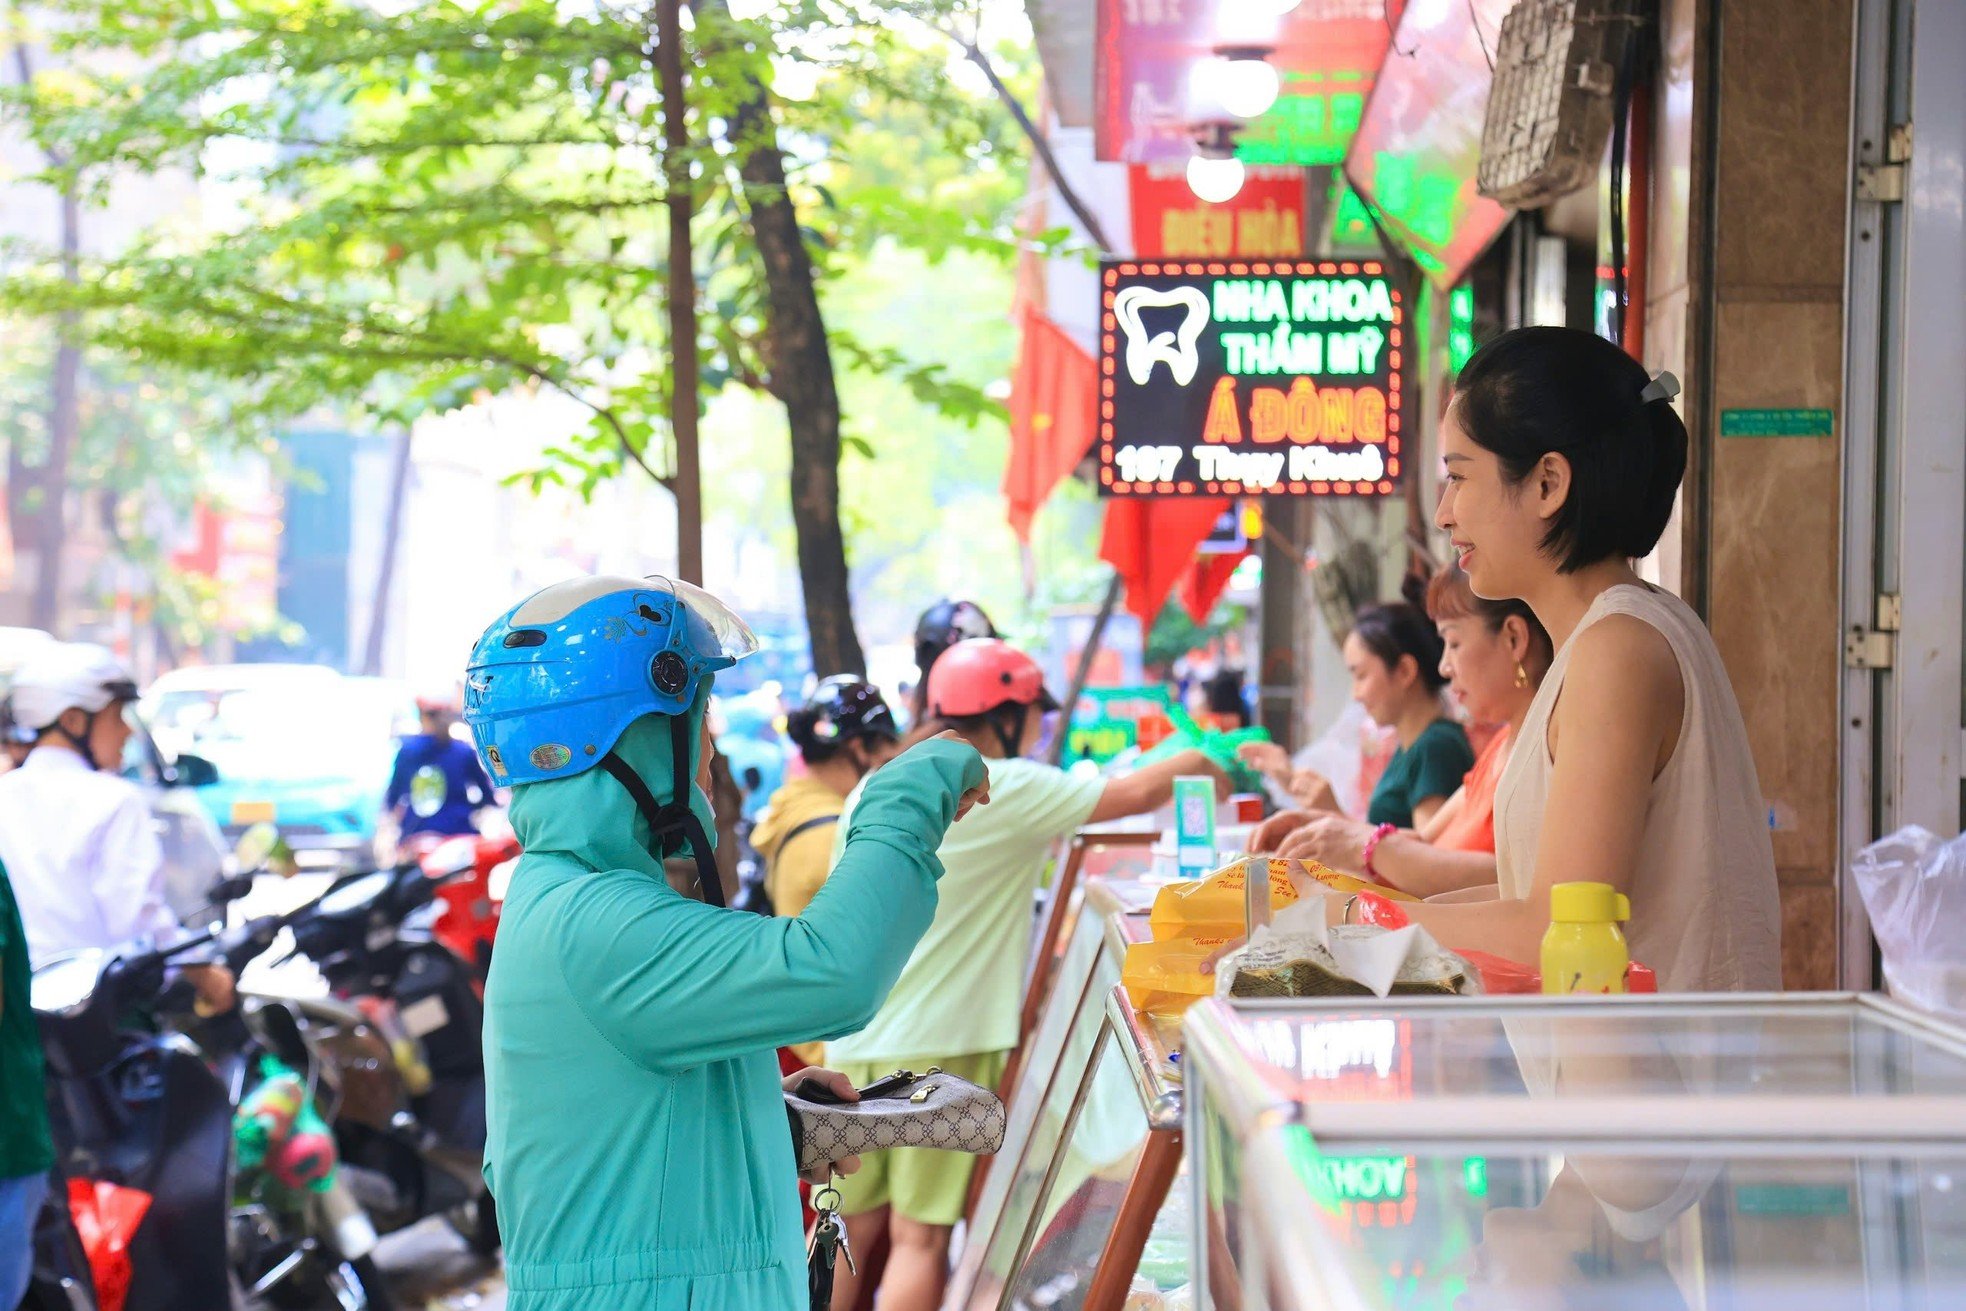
x=429, y=1268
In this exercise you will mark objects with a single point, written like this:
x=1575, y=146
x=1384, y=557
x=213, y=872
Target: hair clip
x=1662, y=388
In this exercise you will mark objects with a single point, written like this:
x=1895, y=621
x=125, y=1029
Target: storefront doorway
x=1904, y=512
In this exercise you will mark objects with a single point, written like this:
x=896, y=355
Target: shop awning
x=1414, y=157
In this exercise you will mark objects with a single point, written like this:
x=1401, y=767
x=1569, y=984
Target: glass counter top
x=1802, y=1064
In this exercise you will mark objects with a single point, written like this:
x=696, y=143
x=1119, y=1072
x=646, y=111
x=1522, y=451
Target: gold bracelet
x=1345, y=916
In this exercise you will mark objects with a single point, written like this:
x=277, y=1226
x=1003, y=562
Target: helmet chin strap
x=81, y=744
x=1013, y=739
x=674, y=819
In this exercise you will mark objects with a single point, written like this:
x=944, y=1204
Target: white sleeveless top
x=1706, y=914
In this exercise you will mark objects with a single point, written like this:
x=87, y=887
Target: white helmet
x=68, y=676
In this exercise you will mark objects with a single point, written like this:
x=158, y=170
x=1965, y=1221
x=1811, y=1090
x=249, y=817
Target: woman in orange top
x=1496, y=656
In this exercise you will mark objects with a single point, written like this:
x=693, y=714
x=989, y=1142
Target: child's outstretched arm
x=1152, y=787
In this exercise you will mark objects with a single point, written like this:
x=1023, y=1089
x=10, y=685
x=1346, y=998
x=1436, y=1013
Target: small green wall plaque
x=1777, y=423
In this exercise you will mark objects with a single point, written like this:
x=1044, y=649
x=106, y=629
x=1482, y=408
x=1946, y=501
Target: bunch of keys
x=825, y=1247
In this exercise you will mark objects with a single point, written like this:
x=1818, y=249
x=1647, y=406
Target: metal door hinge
x=1885, y=183
x=1876, y=647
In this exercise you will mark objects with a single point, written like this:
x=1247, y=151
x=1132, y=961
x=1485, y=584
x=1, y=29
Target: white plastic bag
x=1914, y=887
x=1339, y=754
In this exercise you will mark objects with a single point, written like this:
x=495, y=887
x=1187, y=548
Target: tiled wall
x=1771, y=286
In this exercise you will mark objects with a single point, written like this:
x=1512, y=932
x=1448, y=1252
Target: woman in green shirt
x=1393, y=655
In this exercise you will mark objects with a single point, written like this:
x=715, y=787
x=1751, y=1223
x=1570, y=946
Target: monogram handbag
x=903, y=1110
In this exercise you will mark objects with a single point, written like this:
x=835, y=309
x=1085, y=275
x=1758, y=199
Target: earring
x=1521, y=675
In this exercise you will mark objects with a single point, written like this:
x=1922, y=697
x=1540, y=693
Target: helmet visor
x=721, y=625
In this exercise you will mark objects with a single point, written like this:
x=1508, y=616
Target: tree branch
x=1039, y=145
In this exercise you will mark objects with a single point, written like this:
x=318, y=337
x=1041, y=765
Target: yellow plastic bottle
x=1583, y=951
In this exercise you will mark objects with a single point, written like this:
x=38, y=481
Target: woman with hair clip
x=1632, y=767
x=1496, y=654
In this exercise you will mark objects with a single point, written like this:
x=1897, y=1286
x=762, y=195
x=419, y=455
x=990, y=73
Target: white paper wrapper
x=1373, y=957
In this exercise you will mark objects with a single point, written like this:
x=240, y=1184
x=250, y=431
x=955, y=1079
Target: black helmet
x=947, y=622
x=840, y=709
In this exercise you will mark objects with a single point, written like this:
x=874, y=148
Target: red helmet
x=979, y=674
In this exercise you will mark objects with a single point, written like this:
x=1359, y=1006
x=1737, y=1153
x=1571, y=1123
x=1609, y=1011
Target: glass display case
x=1117, y=858
x=1787, y=1153
x=1662, y=1225
x=1082, y=1205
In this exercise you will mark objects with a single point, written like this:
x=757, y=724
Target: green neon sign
x=1311, y=123
x=1460, y=327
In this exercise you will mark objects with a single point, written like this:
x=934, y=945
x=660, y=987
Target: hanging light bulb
x=1214, y=173
x=1215, y=180
x=1246, y=83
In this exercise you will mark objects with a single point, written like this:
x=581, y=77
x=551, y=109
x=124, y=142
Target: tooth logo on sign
x=1174, y=349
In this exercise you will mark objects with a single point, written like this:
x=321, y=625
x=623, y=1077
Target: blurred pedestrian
x=844, y=732
x=941, y=626
x=76, y=837
x=437, y=785
x=27, y=1152
x=956, y=1004
x=637, y=1141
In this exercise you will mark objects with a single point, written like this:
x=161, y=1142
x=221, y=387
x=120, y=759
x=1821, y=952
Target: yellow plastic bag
x=1218, y=904
x=1165, y=978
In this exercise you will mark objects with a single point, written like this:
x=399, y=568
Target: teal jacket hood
x=590, y=818
x=636, y=1135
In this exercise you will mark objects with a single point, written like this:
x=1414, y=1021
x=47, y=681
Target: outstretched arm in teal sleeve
x=674, y=983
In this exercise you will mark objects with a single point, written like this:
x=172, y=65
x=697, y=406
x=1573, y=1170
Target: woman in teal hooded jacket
x=638, y=1148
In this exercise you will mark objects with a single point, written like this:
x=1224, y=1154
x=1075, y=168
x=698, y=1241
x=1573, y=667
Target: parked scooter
x=462, y=866
x=398, y=1042
x=143, y=1122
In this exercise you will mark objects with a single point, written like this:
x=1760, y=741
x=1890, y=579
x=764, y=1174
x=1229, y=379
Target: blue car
x=310, y=754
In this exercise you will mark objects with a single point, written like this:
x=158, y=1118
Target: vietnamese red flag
x=1202, y=586
x=1151, y=541
x=1053, y=417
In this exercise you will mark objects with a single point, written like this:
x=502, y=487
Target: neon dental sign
x=1241, y=377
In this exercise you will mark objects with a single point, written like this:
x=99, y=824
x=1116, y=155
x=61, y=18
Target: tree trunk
x=43, y=526
x=385, y=576
x=50, y=523
x=801, y=377
x=682, y=293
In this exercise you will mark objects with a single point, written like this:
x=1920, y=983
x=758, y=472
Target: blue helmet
x=556, y=680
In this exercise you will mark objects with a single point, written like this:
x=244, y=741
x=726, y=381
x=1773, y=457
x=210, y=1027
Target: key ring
x=819, y=1202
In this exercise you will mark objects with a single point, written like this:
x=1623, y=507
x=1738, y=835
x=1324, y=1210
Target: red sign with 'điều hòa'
x=1264, y=220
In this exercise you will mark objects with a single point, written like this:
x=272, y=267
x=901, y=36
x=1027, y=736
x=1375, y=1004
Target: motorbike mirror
x=66, y=983
x=500, y=879
x=232, y=889
x=193, y=772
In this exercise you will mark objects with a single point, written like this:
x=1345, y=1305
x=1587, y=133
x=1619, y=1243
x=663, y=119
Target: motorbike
x=398, y=1043
x=143, y=1120
x=462, y=867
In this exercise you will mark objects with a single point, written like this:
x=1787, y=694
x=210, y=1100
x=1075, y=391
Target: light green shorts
x=924, y=1185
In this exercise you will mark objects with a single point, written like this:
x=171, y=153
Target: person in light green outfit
x=638, y=1148
x=956, y=1005
x=26, y=1151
